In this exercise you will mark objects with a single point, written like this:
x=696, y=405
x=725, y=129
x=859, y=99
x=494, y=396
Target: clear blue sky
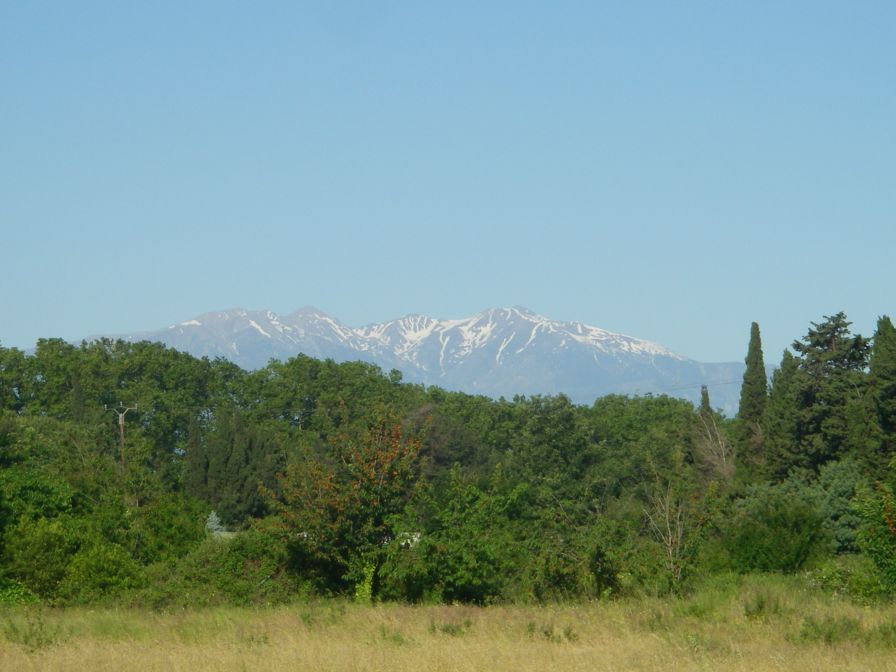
x=672, y=171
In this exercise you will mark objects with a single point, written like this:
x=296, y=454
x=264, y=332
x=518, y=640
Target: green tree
x=38, y=551
x=13, y=379
x=780, y=445
x=877, y=533
x=753, y=395
x=238, y=457
x=775, y=528
x=820, y=408
x=467, y=553
x=674, y=513
x=834, y=419
x=98, y=570
x=713, y=451
x=196, y=468
x=338, y=511
x=51, y=371
x=549, y=448
x=882, y=370
x=705, y=406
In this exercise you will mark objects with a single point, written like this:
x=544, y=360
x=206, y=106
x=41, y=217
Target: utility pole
x=122, y=411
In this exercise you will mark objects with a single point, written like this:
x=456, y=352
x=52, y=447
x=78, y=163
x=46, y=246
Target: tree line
x=309, y=477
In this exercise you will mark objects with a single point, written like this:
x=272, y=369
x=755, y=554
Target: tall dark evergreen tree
x=830, y=348
x=754, y=391
x=196, y=472
x=834, y=418
x=779, y=425
x=753, y=400
x=705, y=408
x=882, y=367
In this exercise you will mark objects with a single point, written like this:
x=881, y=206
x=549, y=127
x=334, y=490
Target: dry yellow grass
x=759, y=626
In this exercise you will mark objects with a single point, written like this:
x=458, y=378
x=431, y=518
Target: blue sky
x=669, y=172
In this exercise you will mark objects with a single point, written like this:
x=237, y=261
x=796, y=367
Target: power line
x=696, y=385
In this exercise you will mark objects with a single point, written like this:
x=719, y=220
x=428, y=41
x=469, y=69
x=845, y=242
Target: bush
x=15, y=593
x=774, y=529
x=834, y=490
x=38, y=552
x=761, y=604
x=570, y=569
x=466, y=556
x=831, y=630
x=249, y=567
x=167, y=528
x=100, y=570
x=854, y=576
x=877, y=536
x=444, y=568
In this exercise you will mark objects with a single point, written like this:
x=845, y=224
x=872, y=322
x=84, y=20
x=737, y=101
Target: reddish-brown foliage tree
x=338, y=510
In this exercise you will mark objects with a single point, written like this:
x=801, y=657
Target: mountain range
x=497, y=352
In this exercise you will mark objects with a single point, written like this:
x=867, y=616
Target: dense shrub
x=244, y=568
x=98, y=571
x=834, y=491
x=37, y=553
x=877, y=536
x=774, y=529
x=854, y=576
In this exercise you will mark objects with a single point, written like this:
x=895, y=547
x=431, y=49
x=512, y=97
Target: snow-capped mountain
x=498, y=352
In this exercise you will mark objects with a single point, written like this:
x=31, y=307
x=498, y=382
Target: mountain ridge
x=496, y=352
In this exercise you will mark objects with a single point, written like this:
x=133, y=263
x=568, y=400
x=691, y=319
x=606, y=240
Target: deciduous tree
x=338, y=510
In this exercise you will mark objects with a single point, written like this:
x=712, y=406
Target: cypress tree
x=753, y=400
x=705, y=408
x=218, y=449
x=230, y=503
x=196, y=462
x=779, y=423
x=754, y=391
x=882, y=368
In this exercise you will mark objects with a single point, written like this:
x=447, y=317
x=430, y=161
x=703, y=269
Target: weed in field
x=884, y=635
x=335, y=612
x=34, y=633
x=549, y=632
x=831, y=630
x=697, y=609
x=700, y=644
x=450, y=628
x=115, y=625
x=652, y=618
x=330, y=613
x=762, y=604
x=393, y=636
x=307, y=617
x=255, y=639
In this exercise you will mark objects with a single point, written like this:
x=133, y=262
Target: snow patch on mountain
x=257, y=328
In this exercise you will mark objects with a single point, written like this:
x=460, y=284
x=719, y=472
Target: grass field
x=753, y=624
